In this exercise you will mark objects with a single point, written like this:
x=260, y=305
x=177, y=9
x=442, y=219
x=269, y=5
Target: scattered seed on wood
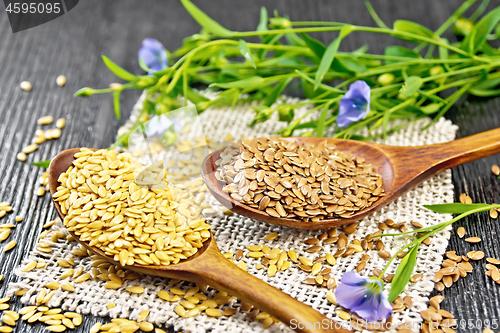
x=25, y=85
x=61, y=80
x=10, y=245
x=493, y=261
x=45, y=120
x=495, y=169
x=439, y=286
x=493, y=213
x=30, y=148
x=21, y=156
x=473, y=240
x=475, y=255
x=60, y=123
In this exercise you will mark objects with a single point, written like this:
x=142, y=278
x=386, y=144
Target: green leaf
x=474, y=41
x=321, y=120
x=352, y=64
x=206, y=21
x=276, y=92
x=246, y=52
x=143, y=65
x=413, y=28
x=385, y=122
x=399, y=51
x=194, y=97
x=329, y=55
x=249, y=83
x=455, y=208
x=488, y=83
x=263, y=19
x=262, y=114
x=315, y=45
x=374, y=15
x=118, y=71
x=411, y=86
x=84, y=92
x=480, y=10
x=294, y=40
x=431, y=108
x=403, y=273
x=43, y=164
x=490, y=51
x=269, y=40
x=484, y=92
x=116, y=103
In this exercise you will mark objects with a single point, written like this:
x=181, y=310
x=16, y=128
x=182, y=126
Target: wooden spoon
x=402, y=168
x=208, y=266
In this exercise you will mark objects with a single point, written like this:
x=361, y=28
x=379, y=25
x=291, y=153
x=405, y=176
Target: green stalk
x=432, y=230
x=366, y=29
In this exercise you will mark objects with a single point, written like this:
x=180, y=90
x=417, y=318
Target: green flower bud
x=436, y=70
x=262, y=114
x=386, y=79
x=85, y=92
x=463, y=27
x=145, y=82
x=280, y=23
x=161, y=108
x=307, y=134
x=285, y=113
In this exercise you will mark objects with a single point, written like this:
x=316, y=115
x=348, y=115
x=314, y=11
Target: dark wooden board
x=72, y=44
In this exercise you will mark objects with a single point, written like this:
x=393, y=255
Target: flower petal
x=349, y=296
x=153, y=55
x=368, y=309
x=363, y=296
x=355, y=104
x=153, y=44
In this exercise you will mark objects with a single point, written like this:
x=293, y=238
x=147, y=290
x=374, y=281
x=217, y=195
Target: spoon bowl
x=401, y=168
x=208, y=266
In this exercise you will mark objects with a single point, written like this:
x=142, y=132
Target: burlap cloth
x=234, y=232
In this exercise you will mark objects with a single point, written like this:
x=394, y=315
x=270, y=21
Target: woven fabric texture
x=233, y=232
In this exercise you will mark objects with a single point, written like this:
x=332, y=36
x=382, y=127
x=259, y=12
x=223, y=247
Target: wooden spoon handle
x=423, y=162
x=224, y=275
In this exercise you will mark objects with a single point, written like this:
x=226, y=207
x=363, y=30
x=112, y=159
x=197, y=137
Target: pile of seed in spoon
x=283, y=178
x=150, y=224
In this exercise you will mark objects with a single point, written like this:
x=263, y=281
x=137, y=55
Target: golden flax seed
x=21, y=156
x=25, y=85
x=61, y=80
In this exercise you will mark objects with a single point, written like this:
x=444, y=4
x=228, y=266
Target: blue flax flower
x=363, y=296
x=153, y=55
x=355, y=104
